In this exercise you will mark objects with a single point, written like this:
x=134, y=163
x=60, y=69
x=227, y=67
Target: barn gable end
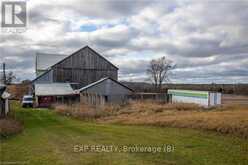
x=84, y=67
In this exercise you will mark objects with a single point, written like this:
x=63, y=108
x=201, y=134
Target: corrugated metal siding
x=53, y=89
x=46, y=78
x=44, y=60
x=204, y=98
x=214, y=98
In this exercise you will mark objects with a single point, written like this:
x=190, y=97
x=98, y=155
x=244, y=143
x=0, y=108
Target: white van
x=27, y=101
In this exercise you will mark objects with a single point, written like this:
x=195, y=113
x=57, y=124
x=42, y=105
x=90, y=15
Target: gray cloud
x=207, y=41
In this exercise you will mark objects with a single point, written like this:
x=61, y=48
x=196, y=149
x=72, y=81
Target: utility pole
x=4, y=74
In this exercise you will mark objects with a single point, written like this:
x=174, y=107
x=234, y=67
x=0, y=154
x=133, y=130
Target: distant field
x=49, y=139
x=234, y=99
x=240, y=89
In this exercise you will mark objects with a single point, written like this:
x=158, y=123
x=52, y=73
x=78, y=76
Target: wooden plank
x=84, y=67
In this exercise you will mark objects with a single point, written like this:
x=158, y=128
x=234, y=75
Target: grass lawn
x=50, y=139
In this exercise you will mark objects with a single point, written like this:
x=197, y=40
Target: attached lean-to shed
x=204, y=98
x=106, y=90
x=48, y=94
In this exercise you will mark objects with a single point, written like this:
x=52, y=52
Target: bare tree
x=8, y=78
x=158, y=70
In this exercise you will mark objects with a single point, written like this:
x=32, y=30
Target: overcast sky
x=208, y=41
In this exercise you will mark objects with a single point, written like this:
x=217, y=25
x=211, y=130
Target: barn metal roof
x=54, y=89
x=44, y=61
x=101, y=80
x=93, y=84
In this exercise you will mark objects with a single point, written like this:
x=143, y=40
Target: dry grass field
x=49, y=138
x=234, y=99
x=226, y=119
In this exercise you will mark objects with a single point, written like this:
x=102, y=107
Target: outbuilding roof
x=54, y=89
x=44, y=61
x=101, y=80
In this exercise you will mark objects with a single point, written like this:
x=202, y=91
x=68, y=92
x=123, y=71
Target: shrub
x=9, y=126
x=85, y=112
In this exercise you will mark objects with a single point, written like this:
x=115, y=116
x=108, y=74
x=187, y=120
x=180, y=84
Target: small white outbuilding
x=204, y=98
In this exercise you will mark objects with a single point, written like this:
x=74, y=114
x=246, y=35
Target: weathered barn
x=44, y=61
x=48, y=94
x=106, y=90
x=84, y=67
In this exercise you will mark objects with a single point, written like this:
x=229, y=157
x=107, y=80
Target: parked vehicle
x=27, y=101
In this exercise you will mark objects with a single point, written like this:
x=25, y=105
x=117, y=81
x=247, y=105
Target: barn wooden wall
x=85, y=67
x=92, y=99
